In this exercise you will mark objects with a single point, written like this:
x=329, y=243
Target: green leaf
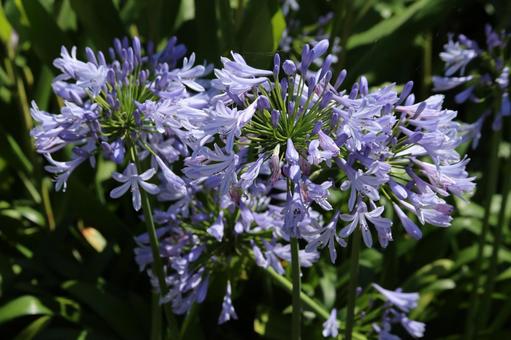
x=22, y=306
x=505, y=275
x=34, y=328
x=207, y=39
x=5, y=27
x=66, y=16
x=429, y=273
x=101, y=21
x=439, y=285
x=278, y=24
x=256, y=33
x=116, y=312
x=386, y=27
x=43, y=88
x=21, y=160
x=45, y=35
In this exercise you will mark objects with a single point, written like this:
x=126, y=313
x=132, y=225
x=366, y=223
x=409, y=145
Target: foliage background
x=66, y=259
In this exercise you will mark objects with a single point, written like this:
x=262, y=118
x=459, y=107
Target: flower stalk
x=493, y=167
x=295, y=269
x=352, y=285
x=497, y=241
x=155, y=249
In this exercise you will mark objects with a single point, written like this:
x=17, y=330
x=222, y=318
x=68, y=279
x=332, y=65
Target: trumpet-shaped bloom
x=133, y=181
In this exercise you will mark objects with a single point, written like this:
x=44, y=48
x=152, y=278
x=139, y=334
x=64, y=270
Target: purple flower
x=114, y=151
x=173, y=183
x=325, y=236
x=414, y=328
x=292, y=158
x=456, y=57
x=228, y=311
x=361, y=185
x=294, y=212
x=88, y=76
x=331, y=326
x=317, y=193
x=410, y=227
x=447, y=83
x=360, y=217
x=404, y=301
x=217, y=229
x=248, y=177
x=131, y=180
x=453, y=177
x=229, y=122
x=237, y=77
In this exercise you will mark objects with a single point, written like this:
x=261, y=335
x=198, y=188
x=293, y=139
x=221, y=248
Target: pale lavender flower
x=360, y=217
x=217, y=228
x=318, y=193
x=456, y=57
x=132, y=180
x=292, y=158
x=331, y=326
x=294, y=212
x=361, y=185
x=88, y=76
x=237, y=77
x=325, y=236
x=228, y=312
x=404, y=301
x=395, y=310
x=410, y=227
x=447, y=83
x=248, y=177
x=414, y=328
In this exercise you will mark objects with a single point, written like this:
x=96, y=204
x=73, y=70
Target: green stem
x=295, y=269
x=155, y=317
x=352, y=286
x=287, y=285
x=426, y=63
x=190, y=317
x=155, y=249
x=493, y=167
x=497, y=241
x=45, y=191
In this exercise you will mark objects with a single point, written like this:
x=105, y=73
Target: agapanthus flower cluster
x=483, y=75
x=247, y=161
x=125, y=109
x=311, y=137
x=395, y=311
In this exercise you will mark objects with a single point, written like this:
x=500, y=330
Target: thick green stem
x=497, y=241
x=189, y=320
x=493, y=171
x=308, y=301
x=295, y=274
x=312, y=304
x=352, y=286
x=155, y=249
x=426, y=63
x=155, y=317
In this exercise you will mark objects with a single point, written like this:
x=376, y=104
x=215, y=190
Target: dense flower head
x=126, y=106
x=247, y=161
x=291, y=126
x=483, y=75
